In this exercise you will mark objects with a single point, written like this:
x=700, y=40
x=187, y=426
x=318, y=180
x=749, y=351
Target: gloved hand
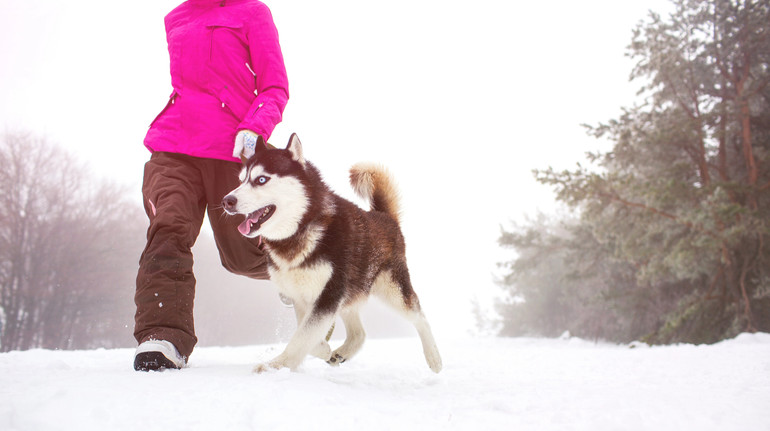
x=245, y=143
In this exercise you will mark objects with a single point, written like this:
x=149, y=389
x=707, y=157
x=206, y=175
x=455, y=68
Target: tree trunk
x=744, y=114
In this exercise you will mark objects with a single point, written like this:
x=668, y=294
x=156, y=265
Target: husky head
x=272, y=195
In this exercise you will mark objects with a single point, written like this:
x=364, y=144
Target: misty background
x=461, y=102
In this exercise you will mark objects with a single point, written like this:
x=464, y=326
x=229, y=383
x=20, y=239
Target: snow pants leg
x=177, y=190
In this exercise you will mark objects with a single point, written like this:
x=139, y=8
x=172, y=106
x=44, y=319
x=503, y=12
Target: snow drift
x=487, y=384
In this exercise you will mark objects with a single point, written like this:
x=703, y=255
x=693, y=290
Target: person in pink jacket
x=229, y=87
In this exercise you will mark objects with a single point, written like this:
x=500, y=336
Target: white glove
x=245, y=143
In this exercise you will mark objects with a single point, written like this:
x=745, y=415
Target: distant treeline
x=69, y=252
x=668, y=235
x=68, y=247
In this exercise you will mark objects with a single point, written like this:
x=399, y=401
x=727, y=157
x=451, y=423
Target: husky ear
x=260, y=146
x=295, y=148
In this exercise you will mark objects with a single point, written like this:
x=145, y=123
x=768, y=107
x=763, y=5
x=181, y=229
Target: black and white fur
x=325, y=253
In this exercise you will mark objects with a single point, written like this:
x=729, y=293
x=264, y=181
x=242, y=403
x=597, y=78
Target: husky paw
x=433, y=359
x=261, y=368
x=269, y=366
x=336, y=359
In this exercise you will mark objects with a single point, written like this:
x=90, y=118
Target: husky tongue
x=245, y=227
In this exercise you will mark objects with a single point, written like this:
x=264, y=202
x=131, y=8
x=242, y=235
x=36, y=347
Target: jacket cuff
x=265, y=113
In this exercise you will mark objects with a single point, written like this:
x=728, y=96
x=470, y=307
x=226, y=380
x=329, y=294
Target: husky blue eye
x=262, y=179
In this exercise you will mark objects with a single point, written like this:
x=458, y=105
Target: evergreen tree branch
x=698, y=228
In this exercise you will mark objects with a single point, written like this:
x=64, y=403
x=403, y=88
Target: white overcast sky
x=460, y=99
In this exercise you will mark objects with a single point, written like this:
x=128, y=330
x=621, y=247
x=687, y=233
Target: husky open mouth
x=254, y=220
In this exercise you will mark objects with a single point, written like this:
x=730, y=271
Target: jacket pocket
x=230, y=103
x=225, y=38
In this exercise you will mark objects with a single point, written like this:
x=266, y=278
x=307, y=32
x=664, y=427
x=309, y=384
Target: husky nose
x=229, y=203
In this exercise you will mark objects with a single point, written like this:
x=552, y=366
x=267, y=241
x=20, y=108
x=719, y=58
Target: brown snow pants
x=177, y=190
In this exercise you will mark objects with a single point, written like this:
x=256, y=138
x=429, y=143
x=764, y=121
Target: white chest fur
x=302, y=284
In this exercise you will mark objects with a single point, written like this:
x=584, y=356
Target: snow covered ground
x=486, y=384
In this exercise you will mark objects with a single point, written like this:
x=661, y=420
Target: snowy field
x=486, y=384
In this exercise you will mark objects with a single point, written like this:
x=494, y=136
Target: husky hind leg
x=354, y=336
x=395, y=289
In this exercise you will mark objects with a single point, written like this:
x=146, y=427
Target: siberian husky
x=325, y=253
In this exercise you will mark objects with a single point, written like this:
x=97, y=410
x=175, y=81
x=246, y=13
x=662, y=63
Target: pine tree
x=682, y=200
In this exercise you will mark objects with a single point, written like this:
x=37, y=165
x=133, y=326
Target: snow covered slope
x=487, y=384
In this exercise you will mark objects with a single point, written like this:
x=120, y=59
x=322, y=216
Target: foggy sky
x=460, y=100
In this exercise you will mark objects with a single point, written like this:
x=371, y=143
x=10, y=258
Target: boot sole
x=153, y=361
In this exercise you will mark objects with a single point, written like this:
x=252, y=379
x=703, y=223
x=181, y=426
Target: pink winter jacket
x=228, y=74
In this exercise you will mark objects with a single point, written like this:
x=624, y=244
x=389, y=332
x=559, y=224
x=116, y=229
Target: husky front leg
x=312, y=330
x=355, y=336
x=304, y=341
x=322, y=350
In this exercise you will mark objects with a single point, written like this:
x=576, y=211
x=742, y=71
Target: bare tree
x=68, y=248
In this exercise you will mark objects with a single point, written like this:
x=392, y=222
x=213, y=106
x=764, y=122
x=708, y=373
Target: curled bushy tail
x=374, y=183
